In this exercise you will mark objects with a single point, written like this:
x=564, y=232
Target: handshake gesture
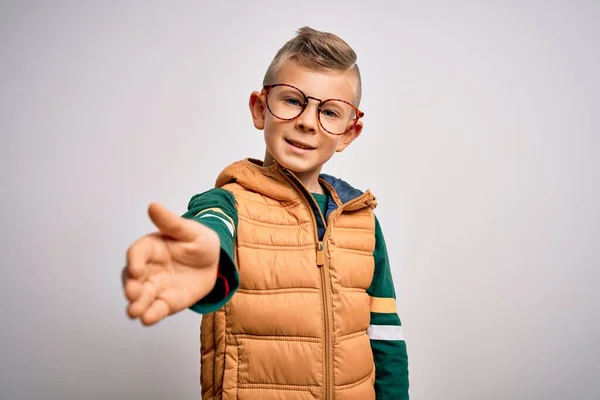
x=171, y=269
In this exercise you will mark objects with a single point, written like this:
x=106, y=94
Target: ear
x=257, y=109
x=349, y=136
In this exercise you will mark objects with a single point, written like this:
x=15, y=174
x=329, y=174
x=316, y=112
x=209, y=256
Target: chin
x=293, y=166
x=296, y=166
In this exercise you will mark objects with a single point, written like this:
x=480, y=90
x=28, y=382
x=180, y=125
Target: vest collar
x=270, y=181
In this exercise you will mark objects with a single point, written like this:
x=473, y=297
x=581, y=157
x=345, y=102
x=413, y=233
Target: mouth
x=300, y=145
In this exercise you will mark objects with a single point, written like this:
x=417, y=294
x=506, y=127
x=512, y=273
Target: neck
x=310, y=179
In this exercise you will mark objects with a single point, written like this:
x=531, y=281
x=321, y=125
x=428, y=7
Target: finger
x=156, y=312
x=133, y=289
x=146, y=298
x=171, y=224
x=138, y=256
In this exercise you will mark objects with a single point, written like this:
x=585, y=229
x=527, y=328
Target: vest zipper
x=320, y=254
x=328, y=328
x=324, y=269
x=325, y=284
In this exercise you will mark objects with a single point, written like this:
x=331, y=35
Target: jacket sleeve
x=216, y=210
x=385, y=330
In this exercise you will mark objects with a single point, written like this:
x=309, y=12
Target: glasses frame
x=358, y=114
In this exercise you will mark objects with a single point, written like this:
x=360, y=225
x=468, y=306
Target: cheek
x=272, y=133
x=269, y=130
x=273, y=127
x=332, y=144
x=269, y=141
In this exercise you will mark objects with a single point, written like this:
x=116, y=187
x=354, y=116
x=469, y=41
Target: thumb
x=171, y=224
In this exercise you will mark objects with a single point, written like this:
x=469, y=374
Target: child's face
x=283, y=137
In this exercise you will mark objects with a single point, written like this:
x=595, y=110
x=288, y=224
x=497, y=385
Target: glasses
x=335, y=116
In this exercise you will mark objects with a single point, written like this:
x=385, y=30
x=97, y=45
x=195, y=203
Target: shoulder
x=210, y=196
x=215, y=199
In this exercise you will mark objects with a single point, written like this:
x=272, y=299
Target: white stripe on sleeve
x=227, y=223
x=385, y=332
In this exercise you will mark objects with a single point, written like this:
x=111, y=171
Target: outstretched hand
x=171, y=269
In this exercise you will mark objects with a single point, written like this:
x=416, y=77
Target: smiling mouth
x=299, y=145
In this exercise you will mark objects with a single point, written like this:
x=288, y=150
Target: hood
x=270, y=181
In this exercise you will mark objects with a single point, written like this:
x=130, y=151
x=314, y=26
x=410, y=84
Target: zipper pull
x=320, y=254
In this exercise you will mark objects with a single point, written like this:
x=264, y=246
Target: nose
x=307, y=121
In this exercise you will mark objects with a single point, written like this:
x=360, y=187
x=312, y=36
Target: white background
x=481, y=143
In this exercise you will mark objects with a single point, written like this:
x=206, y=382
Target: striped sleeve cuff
x=228, y=278
x=390, y=356
x=385, y=323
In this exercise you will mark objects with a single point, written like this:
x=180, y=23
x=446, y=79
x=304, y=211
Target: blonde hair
x=320, y=51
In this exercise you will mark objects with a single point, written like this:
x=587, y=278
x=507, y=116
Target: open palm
x=170, y=270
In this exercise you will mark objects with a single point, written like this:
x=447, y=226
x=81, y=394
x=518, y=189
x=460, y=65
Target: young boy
x=287, y=265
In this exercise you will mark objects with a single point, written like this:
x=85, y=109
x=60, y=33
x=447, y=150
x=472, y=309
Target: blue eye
x=292, y=102
x=329, y=114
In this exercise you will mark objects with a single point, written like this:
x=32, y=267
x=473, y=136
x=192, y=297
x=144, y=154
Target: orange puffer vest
x=297, y=326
